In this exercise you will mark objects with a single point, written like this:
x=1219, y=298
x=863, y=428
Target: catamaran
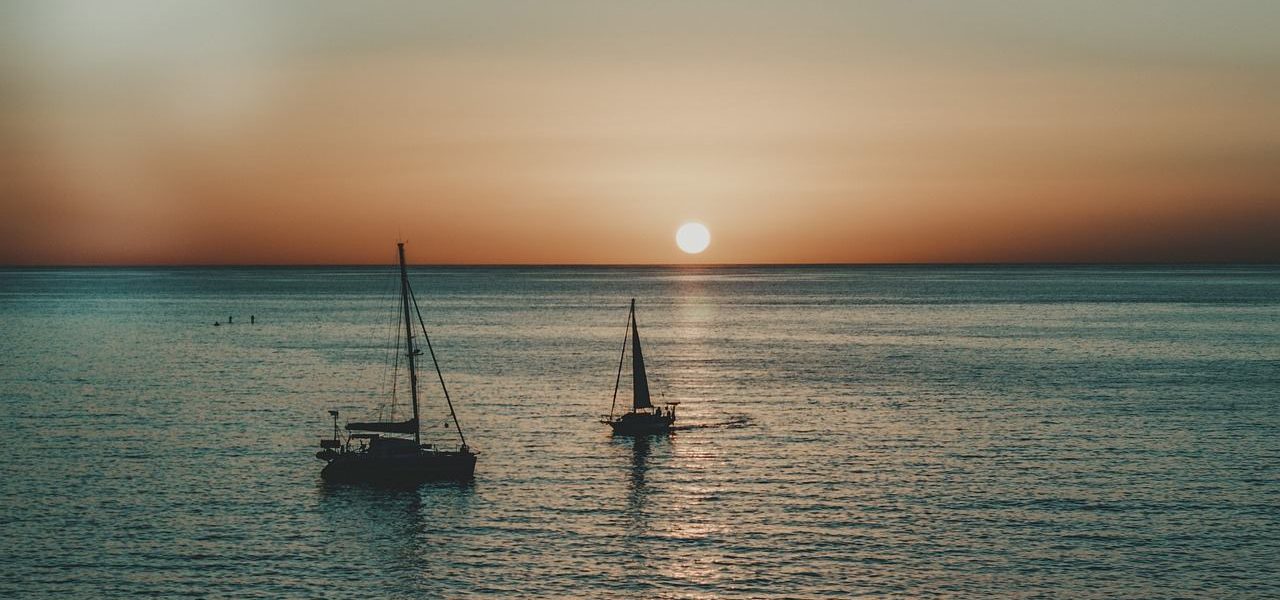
x=643, y=418
x=392, y=451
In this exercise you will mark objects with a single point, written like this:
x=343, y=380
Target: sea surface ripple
x=921, y=432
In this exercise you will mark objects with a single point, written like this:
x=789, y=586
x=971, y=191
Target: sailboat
x=392, y=451
x=643, y=418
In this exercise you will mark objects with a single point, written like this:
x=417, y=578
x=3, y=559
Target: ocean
x=881, y=431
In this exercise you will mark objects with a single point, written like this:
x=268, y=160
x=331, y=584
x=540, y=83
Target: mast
x=639, y=381
x=408, y=337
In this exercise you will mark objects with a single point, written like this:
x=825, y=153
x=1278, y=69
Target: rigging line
x=384, y=381
x=621, y=357
x=382, y=387
x=395, y=364
x=397, y=319
x=391, y=380
x=439, y=374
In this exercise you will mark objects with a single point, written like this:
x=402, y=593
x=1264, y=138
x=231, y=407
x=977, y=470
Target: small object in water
x=643, y=419
x=217, y=324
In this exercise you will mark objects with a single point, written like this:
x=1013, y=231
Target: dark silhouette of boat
x=643, y=418
x=392, y=451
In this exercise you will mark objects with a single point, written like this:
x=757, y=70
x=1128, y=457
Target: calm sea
x=884, y=431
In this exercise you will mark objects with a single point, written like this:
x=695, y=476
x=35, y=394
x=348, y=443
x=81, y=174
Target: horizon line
x=654, y=265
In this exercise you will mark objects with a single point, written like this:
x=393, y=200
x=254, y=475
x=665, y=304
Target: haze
x=587, y=132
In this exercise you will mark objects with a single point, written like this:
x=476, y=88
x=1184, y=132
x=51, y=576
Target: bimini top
x=409, y=427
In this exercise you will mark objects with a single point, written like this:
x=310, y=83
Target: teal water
x=884, y=431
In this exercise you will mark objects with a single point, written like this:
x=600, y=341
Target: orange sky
x=153, y=132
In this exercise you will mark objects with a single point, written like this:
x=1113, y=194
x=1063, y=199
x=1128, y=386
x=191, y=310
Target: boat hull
x=641, y=424
x=401, y=468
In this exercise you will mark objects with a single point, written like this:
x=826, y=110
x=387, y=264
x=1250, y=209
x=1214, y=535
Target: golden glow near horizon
x=152, y=132
x=693, y=238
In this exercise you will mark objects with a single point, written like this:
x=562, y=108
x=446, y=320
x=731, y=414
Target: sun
x=693, y=237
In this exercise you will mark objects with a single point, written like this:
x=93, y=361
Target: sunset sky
x=168, y=132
